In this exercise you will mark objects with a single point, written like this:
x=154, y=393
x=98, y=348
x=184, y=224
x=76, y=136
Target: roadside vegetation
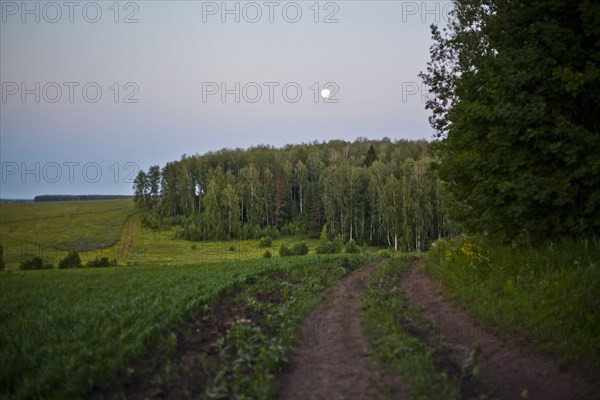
x=547, y=296
x=391, y=325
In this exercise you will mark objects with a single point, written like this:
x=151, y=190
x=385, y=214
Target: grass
x=162, y=247
x=50, y=229
x=548, y=296
x=109, y=228
x=65, y=330
x=385, y=313
x=254, y=352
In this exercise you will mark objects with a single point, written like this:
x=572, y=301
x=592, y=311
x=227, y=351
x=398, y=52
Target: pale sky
x=59, y=135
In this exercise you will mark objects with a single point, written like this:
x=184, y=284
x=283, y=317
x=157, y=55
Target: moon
x=325, y=93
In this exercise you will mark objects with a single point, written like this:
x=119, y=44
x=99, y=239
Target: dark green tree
x=516, y=94
x=371, y=156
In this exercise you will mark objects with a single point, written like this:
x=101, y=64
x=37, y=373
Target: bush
x=34, y=263
x=285, y=251
x=325, y=246
x=352, y=247
x=338, y=243
x=70, y=261
x=232, y=248
x=265, y=242
x=384, y=254
x=267, y=254
x=99, y=263
x=300, y=249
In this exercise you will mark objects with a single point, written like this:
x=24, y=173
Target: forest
x=375, y=192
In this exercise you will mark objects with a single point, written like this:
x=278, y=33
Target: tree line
x=376, y=192
x=515, y=98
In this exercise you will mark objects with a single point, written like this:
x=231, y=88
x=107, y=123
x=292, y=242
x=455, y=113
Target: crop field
x=50, y=229
x=63, y=331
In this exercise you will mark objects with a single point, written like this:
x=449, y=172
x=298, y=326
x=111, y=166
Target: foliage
x=298, y=249
x=325, y=246
x=265, y=242
x=547, y=296
x=35, y=263
x=352, y=247
x=98, y=263
x=380, y=192
x=252, y=354
x=267, y=254
x=386, y=313
x=64, y=331
x=72, y=260
x=515, y=89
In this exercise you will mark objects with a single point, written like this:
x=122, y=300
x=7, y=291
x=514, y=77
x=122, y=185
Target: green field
x=50, y=229
x=65, y=330
x=110, y=228
x=162, y=247
x=65, y=333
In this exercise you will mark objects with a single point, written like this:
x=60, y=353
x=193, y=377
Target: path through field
x=127, y=247
x=333, y=360
x=504, y=369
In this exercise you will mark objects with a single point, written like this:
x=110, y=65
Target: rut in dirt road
x=333, y=360
x=504, y=369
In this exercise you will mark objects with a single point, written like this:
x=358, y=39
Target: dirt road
x=333, y=361
x=507, y=371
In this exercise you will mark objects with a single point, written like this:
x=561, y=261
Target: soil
x=186, y=371
x=127, y=246
x=505, y=369
x=333, y=360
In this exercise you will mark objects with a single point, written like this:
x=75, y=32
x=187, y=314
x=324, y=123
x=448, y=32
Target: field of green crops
x=65, y=330
x=49, y=229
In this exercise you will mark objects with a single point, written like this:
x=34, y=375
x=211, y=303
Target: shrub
x=352, y=247
x=99, y=263
x=232, y=248
x=267, y=254
x=264, y=242
x=72, y=260
x=384, y=254
x=34, y=263
x=325, y=246
x=338, y=243
x=285, y=251
x=300, y=249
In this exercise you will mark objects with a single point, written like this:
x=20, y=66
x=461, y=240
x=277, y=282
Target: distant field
x=161, y=247
x=50, y=229
x=109, y=228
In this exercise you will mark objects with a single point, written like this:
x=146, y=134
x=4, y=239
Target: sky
x=92, y=92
